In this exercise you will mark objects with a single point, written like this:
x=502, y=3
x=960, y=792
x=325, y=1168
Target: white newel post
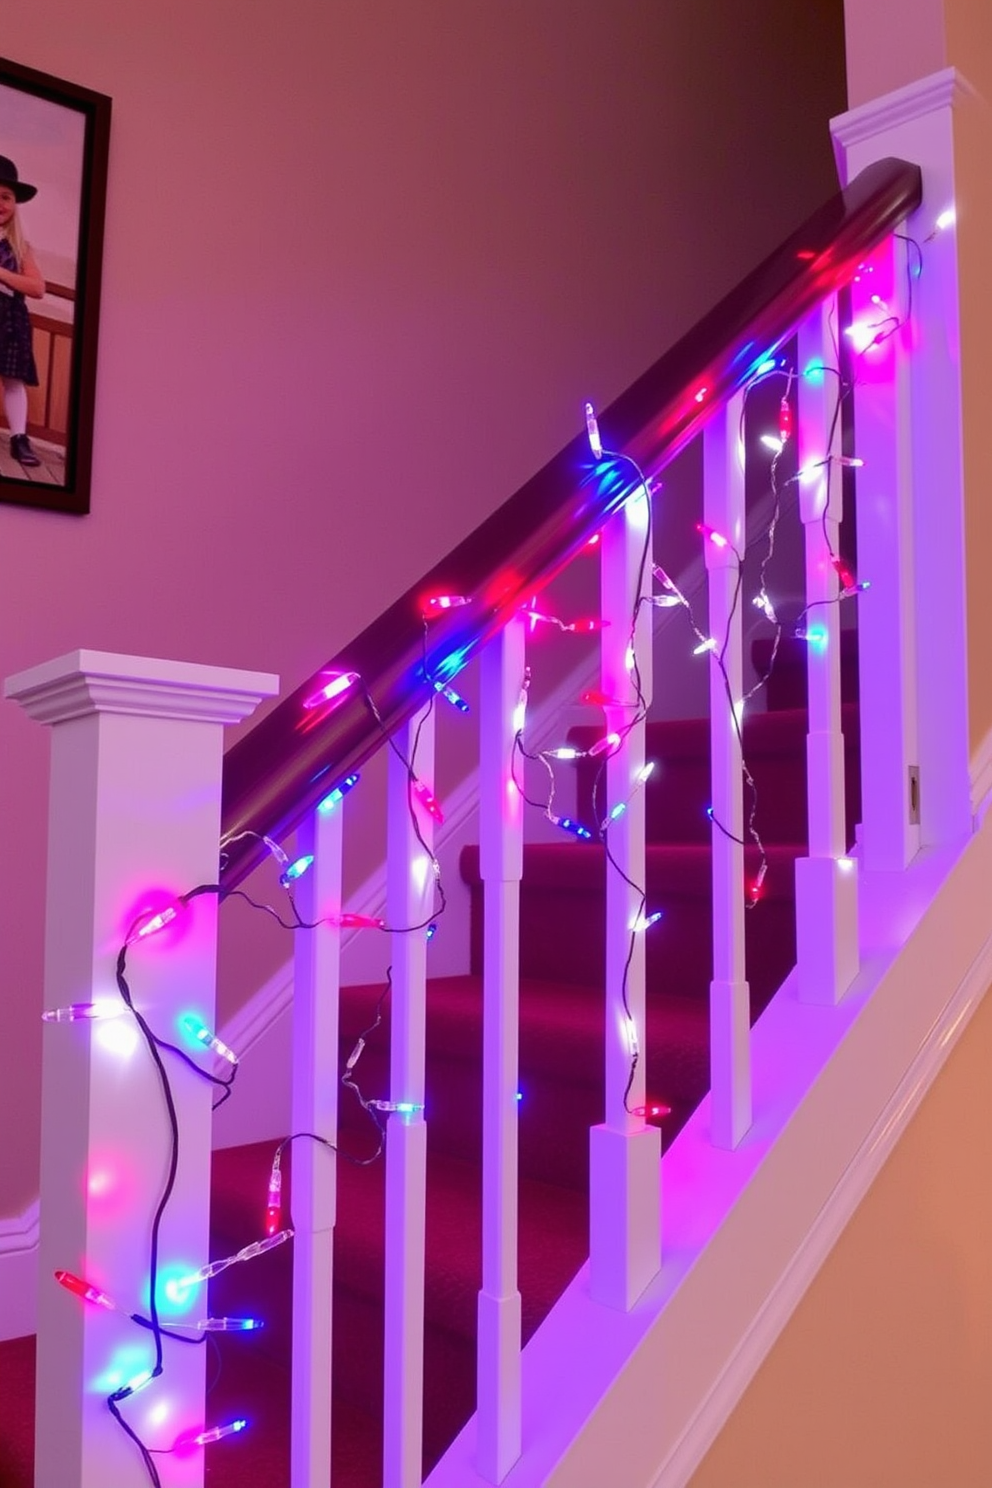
x=926, y=571
x=410, y=896
x=501, y=862
x=134, y=822
x=730, y=999
x=827, y=954
x=625, y=1154
x=316, y=997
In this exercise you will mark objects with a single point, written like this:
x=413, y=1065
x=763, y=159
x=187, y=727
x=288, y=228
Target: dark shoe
x=20, y=448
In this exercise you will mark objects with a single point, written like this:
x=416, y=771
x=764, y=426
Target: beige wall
x=969, y=48
x=365, y=260
x=883, y=1376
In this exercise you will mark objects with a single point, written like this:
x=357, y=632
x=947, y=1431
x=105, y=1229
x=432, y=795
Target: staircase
x=561, y=1078
x=427, y=1242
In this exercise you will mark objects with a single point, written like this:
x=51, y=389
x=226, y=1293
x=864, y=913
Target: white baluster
x=501, y=863
x=137, y=749
x=409, y=898
x=941, y=565
x=316, y=996
x=890, y=750
x=826, y=879
x=730, y=1020
x=625, y=1154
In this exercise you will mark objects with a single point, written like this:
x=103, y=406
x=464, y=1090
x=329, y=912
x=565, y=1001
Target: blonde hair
x=14, y=234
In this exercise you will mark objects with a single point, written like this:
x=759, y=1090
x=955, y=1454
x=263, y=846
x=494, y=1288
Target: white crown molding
x=768, y=1323
x=19, y=1273
x=85, y=682
x=944, y=89
x=20, y=1232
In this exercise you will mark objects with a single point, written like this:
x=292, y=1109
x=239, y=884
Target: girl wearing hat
x=19, y=277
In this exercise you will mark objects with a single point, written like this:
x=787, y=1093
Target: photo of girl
x=20, y=279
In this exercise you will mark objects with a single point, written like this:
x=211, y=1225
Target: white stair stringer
x=745, y=1232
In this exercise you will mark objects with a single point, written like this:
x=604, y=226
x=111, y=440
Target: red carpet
x=561, y=1080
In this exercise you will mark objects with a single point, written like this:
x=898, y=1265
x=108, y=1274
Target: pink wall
x=891, y=43
x=363, y=264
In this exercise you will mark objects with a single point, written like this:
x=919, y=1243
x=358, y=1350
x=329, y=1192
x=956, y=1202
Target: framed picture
x=53, y=179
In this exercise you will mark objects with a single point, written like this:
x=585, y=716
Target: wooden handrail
x=289, y=761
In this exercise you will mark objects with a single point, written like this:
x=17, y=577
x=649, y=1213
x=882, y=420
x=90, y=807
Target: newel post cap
x=85, y=682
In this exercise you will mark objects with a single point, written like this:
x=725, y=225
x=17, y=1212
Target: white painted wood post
x=887, y=642
x=316, y=997
x=134, y=822
x=917, y=123
x=730, y=998
x=827, y=954
x=501, y=863
x=625, y=1154
x=409, y=898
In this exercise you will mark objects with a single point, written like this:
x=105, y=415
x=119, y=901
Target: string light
x=229, y=1325
x=80, y=1011
x=608, y=742
x=428, y=800
x=587, y=626
x=568, y=825
x=438, y=603
x=641, y=778
x=784, y=420
x=654, y=1109
x=332, y=690
x=155, y=923
x=520, y=711
x=218, y=1433
x=85, y=1290
x=273, y=1211
x=351, y=921
x=716, y=538
x=135, y=1383
x=295, y=870
x=402, y=1108
x=337, y=795
x=177, y=1289
x=202, y=1034
x=592, y=430
x=643, y=921
x=451, y=696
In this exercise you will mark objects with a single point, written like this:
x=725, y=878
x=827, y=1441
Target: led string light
x=146, y=924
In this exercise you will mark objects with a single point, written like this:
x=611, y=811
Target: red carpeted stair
x=561, y=1082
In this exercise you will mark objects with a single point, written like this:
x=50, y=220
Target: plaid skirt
x=16, y=354
x=16, y=350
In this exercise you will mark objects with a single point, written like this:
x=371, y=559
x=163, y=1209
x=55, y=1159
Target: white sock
x=15, y=404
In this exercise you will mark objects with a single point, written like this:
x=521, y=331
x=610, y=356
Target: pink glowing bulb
x=784, y=420
x=438, y=603
x=335, y=688
x=155, y=923
x=428, y=800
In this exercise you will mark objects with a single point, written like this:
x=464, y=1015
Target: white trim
x=19, y=1273
x=944, y=89
x=772, y=1317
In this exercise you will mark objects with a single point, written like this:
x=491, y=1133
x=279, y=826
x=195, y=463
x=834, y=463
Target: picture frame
x=54, y=142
